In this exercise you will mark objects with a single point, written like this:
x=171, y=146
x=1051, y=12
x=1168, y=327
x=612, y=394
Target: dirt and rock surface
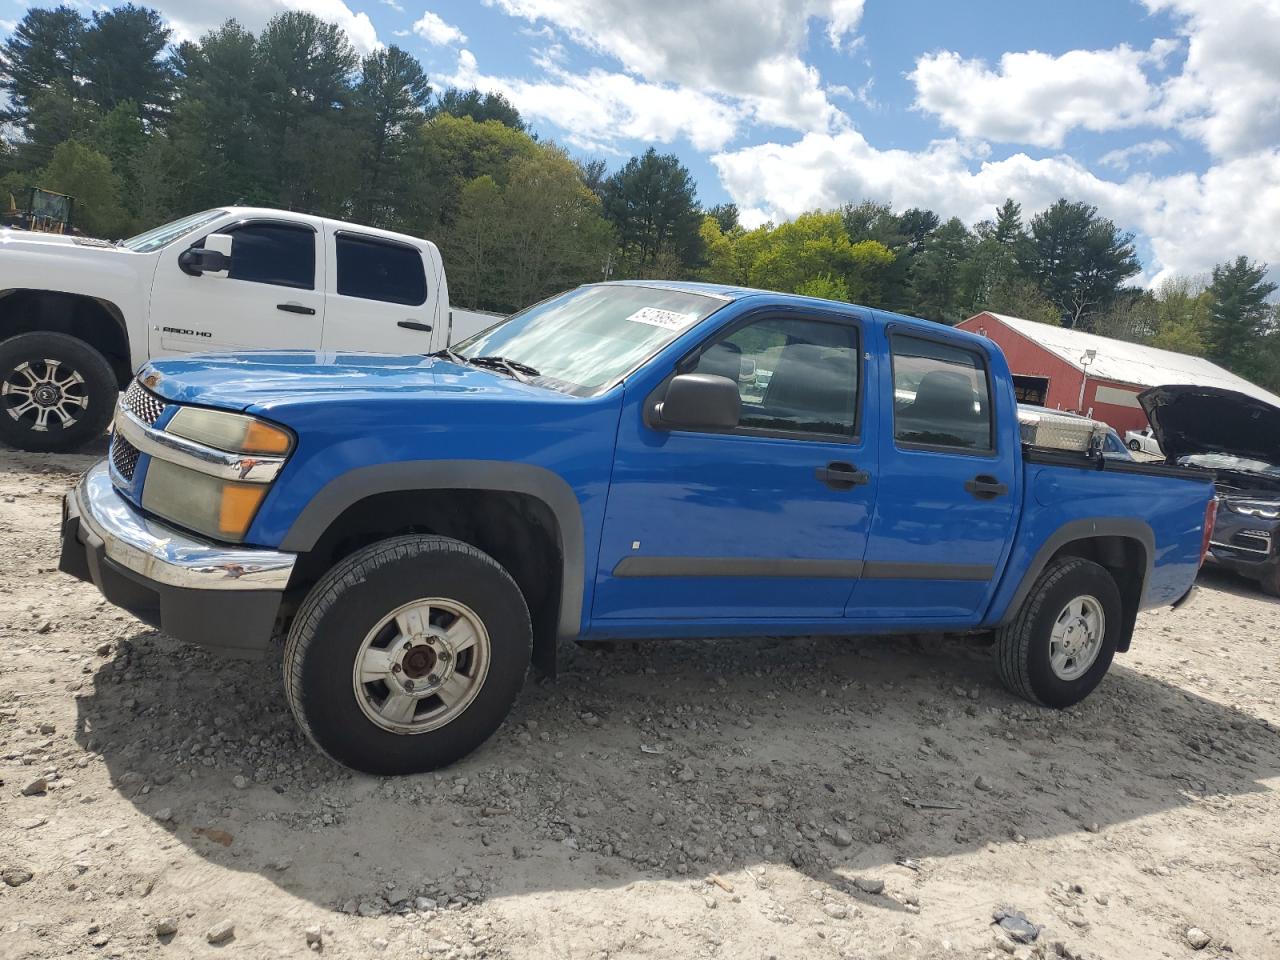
x=859, y=798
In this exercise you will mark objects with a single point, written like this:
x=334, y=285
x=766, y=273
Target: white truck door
x=271, y=297
x=377, y=296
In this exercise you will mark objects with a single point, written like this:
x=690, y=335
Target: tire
x=1270, y=581
x=56, y=392
x=1024, y=647
x=1135, y=445
x=338, y=627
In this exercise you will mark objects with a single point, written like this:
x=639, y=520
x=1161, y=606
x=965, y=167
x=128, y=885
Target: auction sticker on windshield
x=667, y=319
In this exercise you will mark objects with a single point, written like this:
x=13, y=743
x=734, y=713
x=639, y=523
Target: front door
x=947, y=500
x=272, y=297
x=768, y=520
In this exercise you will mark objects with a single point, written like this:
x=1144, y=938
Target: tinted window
x=940, y=395
x=270, y=253
x=380, y=271
x=795, y=376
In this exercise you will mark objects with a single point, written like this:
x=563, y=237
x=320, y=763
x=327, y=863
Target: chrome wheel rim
x=1076, y=638
x=421, y=665
x=44, y=393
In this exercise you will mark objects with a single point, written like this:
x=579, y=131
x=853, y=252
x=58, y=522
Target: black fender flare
x=494, y=475
x=1127, y=528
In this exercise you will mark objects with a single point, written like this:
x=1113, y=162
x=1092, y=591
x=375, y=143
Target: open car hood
x=1190, y=420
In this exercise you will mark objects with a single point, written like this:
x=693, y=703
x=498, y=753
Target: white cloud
x=1192, y=220
x=393, y=5
x=1228, y=92
x=434, y=30
x=598, y=108
x=1036, y=98
x=1124, y=157
x=745, y=49
x=191, y=18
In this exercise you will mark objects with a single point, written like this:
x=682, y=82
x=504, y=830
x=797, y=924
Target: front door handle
x=985, y=487
x=414, y=325
x=842, y=476
x=296, y=308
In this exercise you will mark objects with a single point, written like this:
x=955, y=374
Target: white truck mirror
x=211, y=260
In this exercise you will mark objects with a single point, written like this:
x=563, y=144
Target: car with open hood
x=1237, y=438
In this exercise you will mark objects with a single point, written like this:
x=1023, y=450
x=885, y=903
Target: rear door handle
x=414, y=325
x=839, y=475
x=296, y=308
x=985, y=487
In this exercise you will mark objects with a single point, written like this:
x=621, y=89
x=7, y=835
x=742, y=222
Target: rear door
x=377, y=295
x=946, y=506
x=272, y=297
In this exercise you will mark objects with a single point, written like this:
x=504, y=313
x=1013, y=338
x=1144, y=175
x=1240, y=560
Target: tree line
x=139, y=130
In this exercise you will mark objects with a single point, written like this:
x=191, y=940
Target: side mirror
x=700, y=400
x=214, y=258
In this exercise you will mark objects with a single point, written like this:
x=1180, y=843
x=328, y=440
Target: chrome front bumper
x=197, y=590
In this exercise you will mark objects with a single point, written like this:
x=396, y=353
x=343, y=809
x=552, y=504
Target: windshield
x=165, y=234
x=1224, y=461
x=588, y=339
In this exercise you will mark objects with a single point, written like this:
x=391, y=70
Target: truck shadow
x=665, y=758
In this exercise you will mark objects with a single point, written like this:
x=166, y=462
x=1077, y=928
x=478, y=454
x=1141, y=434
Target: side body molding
x=1126, y=527
x=498, y=476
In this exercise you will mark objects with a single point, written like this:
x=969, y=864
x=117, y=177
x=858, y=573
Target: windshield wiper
x=448, y=354
x=518, y=370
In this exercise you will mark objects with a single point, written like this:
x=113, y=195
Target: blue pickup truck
x=624, y=460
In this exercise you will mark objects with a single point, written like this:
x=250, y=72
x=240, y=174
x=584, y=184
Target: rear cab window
x=941, y=396
x=373, y=269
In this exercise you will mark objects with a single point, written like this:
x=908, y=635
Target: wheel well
x=517, y=530
x=1126, y=560
x=97, y=322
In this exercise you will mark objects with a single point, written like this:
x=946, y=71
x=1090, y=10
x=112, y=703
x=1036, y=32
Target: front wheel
x=407, y=655
x=1060, y=643
x=1135, y=445
x=56, y=392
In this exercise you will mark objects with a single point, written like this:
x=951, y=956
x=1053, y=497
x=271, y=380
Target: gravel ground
x=858, y=798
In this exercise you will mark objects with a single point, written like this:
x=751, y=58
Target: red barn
x=1070, y=370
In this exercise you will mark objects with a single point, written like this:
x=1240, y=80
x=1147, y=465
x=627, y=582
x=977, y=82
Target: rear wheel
x=56, y=392
x=1135, y=445
x=407, y=655
x=1061, y=642
x=1270, y=582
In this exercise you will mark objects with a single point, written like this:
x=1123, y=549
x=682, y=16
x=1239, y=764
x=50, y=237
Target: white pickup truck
x=78, y=316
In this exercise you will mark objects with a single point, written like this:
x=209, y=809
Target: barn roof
x=1132, y=363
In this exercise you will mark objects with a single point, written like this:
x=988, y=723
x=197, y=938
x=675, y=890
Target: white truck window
x=274, y=253
x=376, y=270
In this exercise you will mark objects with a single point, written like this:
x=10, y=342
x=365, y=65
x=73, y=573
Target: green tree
x=42, y=53
x=515, y=243
x=392, y=93
x=726, y=216
x=445, y=155
x=121, y=58
x=1078, y=259
x=302, y=77
x=215, y=151
x=85, y=174
x=938, y=288
x=1239, y=316
x=1182, y=315
x=479, y=107
x=653, y=206
x=790, y=256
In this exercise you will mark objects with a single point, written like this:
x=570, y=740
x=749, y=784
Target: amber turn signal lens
x=261, y=437
x=239, y=504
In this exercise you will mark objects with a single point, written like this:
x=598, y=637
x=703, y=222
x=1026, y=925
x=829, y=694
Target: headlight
x=1253, y=508
x=230, y=431
x=217, y=508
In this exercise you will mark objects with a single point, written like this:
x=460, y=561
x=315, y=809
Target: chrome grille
x=124, y=457
x=143, y=404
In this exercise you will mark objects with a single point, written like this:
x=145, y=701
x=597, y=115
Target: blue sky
x=1163, y=113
